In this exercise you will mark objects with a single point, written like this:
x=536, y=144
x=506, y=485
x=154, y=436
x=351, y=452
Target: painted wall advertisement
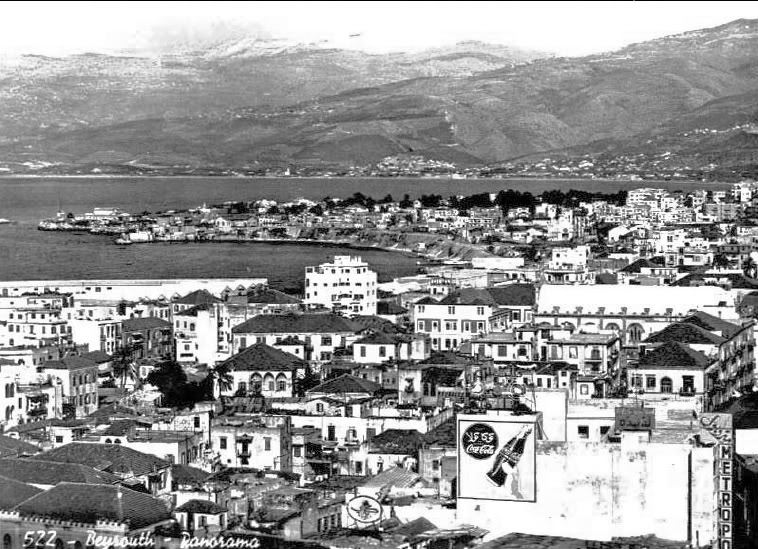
x=720, y=427
x=497, y=459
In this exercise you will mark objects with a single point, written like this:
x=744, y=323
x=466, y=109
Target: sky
x=563, y=28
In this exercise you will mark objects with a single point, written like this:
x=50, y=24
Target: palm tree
x=219, y=376
x=720, y=261
x=124, y=365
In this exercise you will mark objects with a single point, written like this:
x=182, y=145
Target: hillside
x=472, y=104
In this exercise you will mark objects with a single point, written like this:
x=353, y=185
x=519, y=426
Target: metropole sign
x=720, y=427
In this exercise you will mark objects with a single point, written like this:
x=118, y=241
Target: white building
x=346, y=285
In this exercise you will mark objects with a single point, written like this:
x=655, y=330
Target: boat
x=4, y=221
x=123, y=241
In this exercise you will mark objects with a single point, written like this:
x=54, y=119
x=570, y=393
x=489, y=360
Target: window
x=297, y=451
x=666, y=385
x=637, y=381
x=320, y=407
x=573, y=352
x=604, y=430
x=363, y=351
x=197, y=422
x=58, y=439
x=480, y=311
x=523, y=351
x=267, y=444
x=451, y=310
x=583, y=431
x=222, y=443
x=358, y=468
x=420, y=326
x=584, y=389
x=649, y=382
x=326, y=341
x=502, y=350
x=539, y=382
x=382, y=351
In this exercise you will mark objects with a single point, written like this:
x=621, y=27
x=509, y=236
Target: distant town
x=659, y=166
x=553, y=347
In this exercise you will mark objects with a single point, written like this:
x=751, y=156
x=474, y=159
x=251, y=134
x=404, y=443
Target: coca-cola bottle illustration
x=508, y=457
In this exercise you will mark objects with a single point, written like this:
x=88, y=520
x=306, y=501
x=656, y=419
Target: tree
x=218, y=376
x=307, y=382
x=406, y=202
x=720, y=261
x=124, y=365
x=749, y=267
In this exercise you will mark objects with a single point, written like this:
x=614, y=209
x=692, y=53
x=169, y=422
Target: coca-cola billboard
x=496, y=458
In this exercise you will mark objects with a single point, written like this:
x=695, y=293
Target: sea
x=29, y=254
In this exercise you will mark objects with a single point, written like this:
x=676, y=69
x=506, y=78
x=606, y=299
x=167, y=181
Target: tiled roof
x=373, y=322
x=295, y=324
x=347, y=384
x=263, y=357
x=120, y=428
x=389, y=308
x=521, y=541
x=638, y=265
x=290, y=340
x=673, y=356
x=13, y=447
x=88, y=503
x=13, y=492
x=271, y=296
x=376, y=338
x=606, y=278
x=70, y=363
x=198, y=297
x=737, y=281
x=146, y=323
x=36, y=471
x=201, y=506
x=510, y=294
x=396, y=441
x=712, y=323
x=184, y=474
x=397, y=477
x=443, y=435
x=415, y=527
x=685, y=332
x=118, y=458
x=192, y=311
x=97, y=356
x=427, y=301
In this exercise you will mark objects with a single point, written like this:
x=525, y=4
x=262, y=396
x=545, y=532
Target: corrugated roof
x=396, y=476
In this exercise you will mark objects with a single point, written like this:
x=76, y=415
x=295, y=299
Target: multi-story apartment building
x=261, y=442
x=79, y=383
x=466, y=313
x=203, y=334
x=346, y=286
x=150, y=337
x=321, y=333
x=594, y=357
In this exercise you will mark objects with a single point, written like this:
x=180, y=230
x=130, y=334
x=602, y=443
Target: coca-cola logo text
x=480, y=441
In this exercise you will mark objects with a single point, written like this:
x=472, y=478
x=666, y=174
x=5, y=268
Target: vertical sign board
x=720, y=427
x=497, y=458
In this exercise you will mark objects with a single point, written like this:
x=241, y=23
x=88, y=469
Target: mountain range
x=258, y=102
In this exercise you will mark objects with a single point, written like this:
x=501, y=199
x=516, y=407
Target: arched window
x=268, y=382
x=78, y=545
x=666, y=385
x=612, y=327
x=8, y=413
x=256, y=383
x=634, y=333
x=108, y=441
x=59, y=543
x=7, y=542
x=117, y=441
x=281, y=383
x=568, y=326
